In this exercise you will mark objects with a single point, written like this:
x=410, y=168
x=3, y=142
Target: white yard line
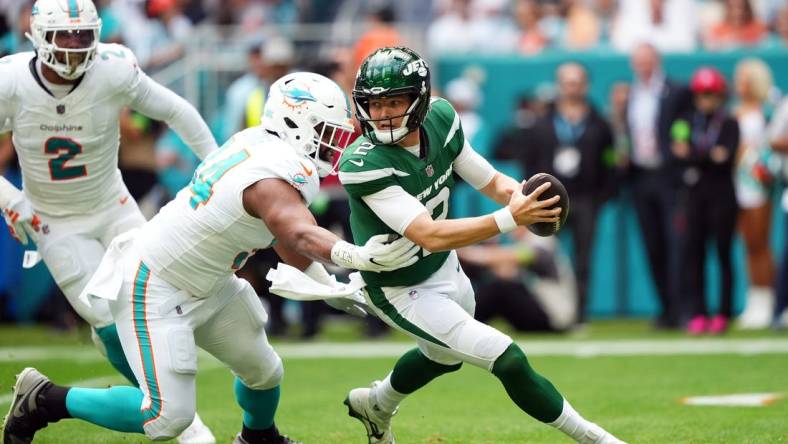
x=576, y=348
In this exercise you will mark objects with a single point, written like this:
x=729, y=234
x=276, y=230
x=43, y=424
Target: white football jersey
x=199, y=239
x=68, y=147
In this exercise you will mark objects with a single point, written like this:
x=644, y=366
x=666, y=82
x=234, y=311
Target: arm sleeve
x=159, y=103
x=473, y=168
x=394, y=207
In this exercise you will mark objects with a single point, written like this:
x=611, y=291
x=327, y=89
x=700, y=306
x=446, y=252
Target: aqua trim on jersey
x=141, y=330
x=379, y=299
x=366, y=169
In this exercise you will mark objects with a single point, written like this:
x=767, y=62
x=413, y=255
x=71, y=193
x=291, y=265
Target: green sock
x=532, y=392
x=413, y=371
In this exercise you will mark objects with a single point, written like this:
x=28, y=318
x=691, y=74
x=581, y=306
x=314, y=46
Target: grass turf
x=636, y=397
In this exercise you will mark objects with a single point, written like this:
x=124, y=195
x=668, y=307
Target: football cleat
x=25, y=417
x=377, y=422
x=196, y=433
x=280, y=439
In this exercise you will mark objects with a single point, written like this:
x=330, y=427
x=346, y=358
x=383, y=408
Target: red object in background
x=708, y=80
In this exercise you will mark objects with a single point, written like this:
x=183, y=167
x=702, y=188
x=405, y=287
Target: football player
x=62, y=103
x=399, y=177
x=172, y=287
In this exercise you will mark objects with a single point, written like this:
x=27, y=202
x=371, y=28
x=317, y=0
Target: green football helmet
x=388, y=72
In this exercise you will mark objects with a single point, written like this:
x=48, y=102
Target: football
x=556, y=189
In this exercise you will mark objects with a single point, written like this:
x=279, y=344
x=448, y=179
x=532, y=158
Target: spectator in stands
x=573, y=142
x=137, y=159
x=617, y=116
x=468, y=26
x=754, y=189
x=739, y=27
x=169, y=31
x=19, y=19
x=583, y=26
x=530, y=283
x=278, y=58
x=239, y=91
x=466, y=96
x=380, y=33
x=512, y=143
x=654, y=103
x=531, y=38
x=780, y=26
x=704, y=143
x=778, y=139
x=669, y=25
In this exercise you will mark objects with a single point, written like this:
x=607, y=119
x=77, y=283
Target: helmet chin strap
x=391, y=136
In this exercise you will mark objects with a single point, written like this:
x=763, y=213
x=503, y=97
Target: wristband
x=504, y=220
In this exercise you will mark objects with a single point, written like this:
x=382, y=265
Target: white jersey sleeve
x=143, y=94
x=7, y=87
x=204, y=235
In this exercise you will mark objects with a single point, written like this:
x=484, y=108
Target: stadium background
x=617, y=370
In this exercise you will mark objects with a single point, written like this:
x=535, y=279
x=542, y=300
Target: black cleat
x=25, y=418
x=281, y=439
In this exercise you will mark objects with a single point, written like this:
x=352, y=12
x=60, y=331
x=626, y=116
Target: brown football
x=556, y=189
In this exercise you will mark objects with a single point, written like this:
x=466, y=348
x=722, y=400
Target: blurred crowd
x=699, y=162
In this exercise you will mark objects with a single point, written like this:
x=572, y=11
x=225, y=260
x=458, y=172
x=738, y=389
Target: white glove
x=18, y=213
x=317, y=272
x=378, y=254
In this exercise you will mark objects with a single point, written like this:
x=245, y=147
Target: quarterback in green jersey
x=399, y=178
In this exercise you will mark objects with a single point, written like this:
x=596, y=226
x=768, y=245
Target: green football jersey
x=366, y=168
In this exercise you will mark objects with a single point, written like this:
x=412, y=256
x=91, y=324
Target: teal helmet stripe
x=73, y=9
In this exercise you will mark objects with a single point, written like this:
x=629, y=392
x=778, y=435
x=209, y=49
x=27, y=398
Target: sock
x=386, y=397
x=413, y=371
x=259, y=405
x=532, y=392
x=116, y=408
x=574, y=425
x=109, y=337
x=52, y=401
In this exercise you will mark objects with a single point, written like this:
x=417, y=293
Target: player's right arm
x=280, y=207
x=448, y=234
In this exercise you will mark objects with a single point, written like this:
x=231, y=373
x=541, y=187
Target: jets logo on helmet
x=311, y=113
x=389, y=72
x=65, y=34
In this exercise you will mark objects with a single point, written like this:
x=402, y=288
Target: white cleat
x=377, y=422
x=196, y=433
x=598, y=435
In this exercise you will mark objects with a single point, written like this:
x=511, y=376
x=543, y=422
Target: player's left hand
x=23, y=223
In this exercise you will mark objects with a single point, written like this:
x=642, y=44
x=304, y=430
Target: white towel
x=291, y=283
x=108, y=278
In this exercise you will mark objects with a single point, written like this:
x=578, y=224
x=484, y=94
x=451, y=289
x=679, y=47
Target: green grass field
x=618, y=374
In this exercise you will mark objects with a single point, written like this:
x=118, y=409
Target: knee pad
x=512, y=361
x=63, y=264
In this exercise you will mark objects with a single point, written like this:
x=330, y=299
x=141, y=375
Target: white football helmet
x=312, y=114
x=52, y=17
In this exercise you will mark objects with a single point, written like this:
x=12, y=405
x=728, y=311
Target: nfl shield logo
x=61, y=109
x=429, y=170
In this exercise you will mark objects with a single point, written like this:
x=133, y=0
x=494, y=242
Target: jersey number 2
x=67, y=150
x=442, y=198
x=209, y=172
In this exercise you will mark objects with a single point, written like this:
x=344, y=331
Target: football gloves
x=23, y=223
x=378, y=254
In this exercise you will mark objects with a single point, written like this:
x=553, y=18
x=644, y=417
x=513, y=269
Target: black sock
x=253, y=436
x=52, y=401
